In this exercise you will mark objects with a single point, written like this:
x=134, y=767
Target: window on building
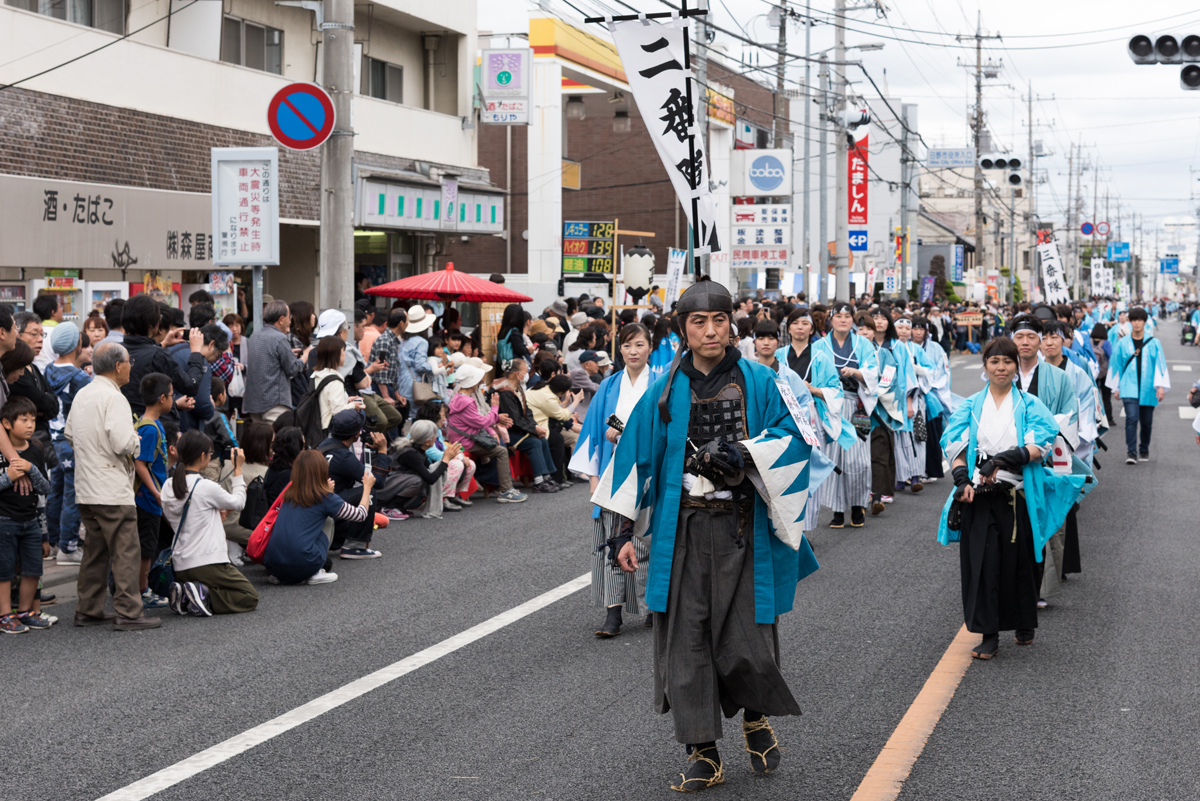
x=383, y=80
x=252, y=45
x=105, y=15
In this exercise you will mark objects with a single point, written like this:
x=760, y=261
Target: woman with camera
x=612, y=404
x=1006, y=503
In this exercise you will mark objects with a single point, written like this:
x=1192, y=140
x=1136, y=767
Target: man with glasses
x=100, y=429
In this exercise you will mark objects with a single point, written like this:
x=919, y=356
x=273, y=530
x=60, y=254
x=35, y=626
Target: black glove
x=962, y=480
x=717, y=461
x=1012, y=459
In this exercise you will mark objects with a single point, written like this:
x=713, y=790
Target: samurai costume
x=849, y=449
x=936, y=384
x=1091, y=421
x=1003, y=532
x=611, y=586
x=713, y=471
x=910, y=443
x=815, y=366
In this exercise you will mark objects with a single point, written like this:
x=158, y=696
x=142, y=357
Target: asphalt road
x=1103, y=705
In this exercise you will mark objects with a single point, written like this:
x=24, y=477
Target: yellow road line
x=895, y=762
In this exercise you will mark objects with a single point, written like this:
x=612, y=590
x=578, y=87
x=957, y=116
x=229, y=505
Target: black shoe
x=1130, y=459
x=704, y=769
x=545, y=487
x=988, y=648
x=612, y=624
x=649, y=621
x=1024, y=637
x=858, y=516
x=876, y=505
x=1144, y=456
x=839, y=520
x=46, y=597
x=761, y=744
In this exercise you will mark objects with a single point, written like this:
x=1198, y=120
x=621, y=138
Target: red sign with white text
x=858, y=183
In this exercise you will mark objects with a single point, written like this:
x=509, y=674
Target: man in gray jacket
x=100, y=429
x=270, y=365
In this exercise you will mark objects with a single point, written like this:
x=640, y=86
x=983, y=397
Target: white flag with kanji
x=654, y=57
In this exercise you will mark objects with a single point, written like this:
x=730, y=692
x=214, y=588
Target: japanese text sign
x=245, y=206
x=1053, y=275
x=655, y=58
x=506, y=85
x=858, y=183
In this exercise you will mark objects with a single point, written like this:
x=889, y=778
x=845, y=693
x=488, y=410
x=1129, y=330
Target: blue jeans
x=62, y=514
x=20, y=547
x=1134, y=414
x=538, y=451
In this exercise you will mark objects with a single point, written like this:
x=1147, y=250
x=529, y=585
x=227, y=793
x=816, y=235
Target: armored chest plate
x=722, y=417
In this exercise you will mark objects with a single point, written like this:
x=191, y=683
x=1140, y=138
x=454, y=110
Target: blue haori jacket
x=643, y=483
x=823, y=376
x=593, y=450
x=1048, y=495
x=868, y=389
x=1123, y=372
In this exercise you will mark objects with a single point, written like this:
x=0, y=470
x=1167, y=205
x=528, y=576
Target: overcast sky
x=1139, y=130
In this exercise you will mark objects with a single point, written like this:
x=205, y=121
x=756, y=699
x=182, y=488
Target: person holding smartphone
x=206, y=583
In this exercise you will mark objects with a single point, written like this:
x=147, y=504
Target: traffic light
x=1015, y=179
x=1169, y=49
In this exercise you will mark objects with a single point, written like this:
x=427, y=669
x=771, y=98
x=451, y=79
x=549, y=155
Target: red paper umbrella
x=449, y=284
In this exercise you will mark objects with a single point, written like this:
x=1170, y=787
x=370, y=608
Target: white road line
x=1182, y=368
x=1187, y=413
x=170, y=776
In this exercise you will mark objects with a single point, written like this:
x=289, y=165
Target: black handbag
x=920, y=431
x=861, y=421
x=480, y=437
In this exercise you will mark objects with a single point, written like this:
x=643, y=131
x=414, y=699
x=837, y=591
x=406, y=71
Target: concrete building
x=121, y=138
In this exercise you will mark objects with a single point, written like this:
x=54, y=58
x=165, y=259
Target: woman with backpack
x=332, y=397
x=297, y=552
x=510, y=339
x=205, y=581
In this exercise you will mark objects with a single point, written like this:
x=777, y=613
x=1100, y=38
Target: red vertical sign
x=858, y=183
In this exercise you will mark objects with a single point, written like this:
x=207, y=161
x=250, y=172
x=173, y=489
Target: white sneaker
x=235, y=554
x=75, y=557
x=321, y=577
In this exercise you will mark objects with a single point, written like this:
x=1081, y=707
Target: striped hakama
x=853, y=486
x=910, y=457
x=610, y=584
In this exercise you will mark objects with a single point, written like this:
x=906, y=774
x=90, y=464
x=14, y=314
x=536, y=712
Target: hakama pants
x=610, y=584
x=853, y=486
x=999, y=572
x=710, y=656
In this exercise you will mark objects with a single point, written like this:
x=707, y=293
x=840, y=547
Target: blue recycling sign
x=1118, y=251
x=858, y=240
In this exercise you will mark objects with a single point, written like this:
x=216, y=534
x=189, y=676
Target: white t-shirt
x=202, y=539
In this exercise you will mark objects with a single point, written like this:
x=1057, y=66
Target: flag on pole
x=1053, y=275
x=658, y=68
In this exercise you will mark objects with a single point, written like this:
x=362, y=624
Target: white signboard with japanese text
x=1053, y=274
x=777, y=235
x=675, y=263
x=505, y=88
x=940, y=158
x=245, y=206
x=46, y=223
x=655, y=59
x=760, y=258
x=763, y=214
x=450, y=203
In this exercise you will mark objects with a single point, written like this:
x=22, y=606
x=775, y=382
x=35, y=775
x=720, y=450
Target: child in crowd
x=218, y=428
x=460, y=471
x=440, y=366
x=21, y=541
x=151, y=467
x=66, y=377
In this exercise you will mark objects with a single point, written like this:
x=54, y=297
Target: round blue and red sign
x=301, y=116
x=1087, y=229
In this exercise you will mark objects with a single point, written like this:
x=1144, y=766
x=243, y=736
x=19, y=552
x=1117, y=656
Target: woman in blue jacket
x=297, y=552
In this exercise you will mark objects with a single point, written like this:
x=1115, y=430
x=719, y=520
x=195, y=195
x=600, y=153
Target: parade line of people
x=163, y=454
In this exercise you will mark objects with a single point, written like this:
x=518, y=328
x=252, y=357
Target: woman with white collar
x=616, y=396
x=857, y=367
x=1008, y=502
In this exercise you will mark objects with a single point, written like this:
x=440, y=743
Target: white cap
x=467, y=376
x=329, y=322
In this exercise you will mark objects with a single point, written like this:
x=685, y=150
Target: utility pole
x=1095, y=213
x=905, y=178
x=841, y=167
x=978, y=131
x=1012, y=235
x=808, y=101
x=781, y=103
x=823, y=177
x=1070, y=200
x=336, y=262
x=1030, y=181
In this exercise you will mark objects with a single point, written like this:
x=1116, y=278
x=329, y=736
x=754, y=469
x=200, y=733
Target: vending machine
x=14, y=295
x=99, y=293
x=70, y=290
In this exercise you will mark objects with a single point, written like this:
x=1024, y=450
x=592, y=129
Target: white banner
x=245, y=206
x=1053, y=276
x=675, y=261
x=1109, y=289
x=655, y=62
x=1097, y=278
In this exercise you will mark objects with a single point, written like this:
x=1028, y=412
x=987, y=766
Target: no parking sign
x=301, y=116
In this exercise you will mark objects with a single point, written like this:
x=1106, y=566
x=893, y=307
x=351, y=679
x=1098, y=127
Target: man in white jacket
x=100, y=429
